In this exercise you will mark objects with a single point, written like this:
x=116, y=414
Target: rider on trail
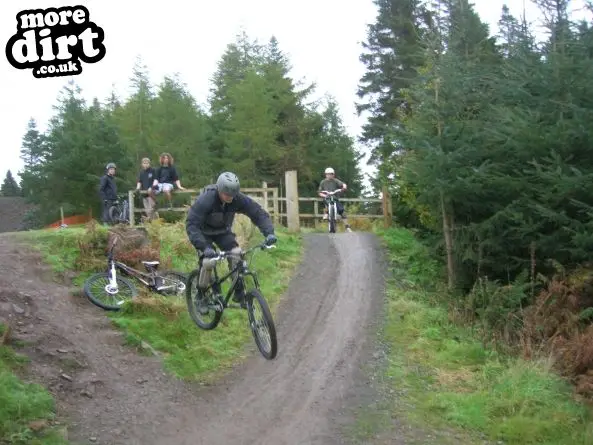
x=211, y=216
x=330, y=184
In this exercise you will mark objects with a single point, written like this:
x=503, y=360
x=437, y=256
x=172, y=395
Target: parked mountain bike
x=119, y=212
x=109, y=291
x=332, y=209
x=204, y=296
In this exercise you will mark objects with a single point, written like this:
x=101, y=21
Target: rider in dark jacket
x=211, y=217
x=108, y=191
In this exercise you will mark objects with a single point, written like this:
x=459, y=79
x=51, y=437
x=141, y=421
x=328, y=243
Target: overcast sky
x=321, y=37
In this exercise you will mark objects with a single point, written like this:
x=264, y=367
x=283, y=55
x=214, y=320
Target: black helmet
x=228, y=183
x=110, y=165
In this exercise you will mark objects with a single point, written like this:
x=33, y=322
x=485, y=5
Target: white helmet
x=330, y=171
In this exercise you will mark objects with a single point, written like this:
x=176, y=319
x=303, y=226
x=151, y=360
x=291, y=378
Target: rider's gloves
x=209, y=252
x=271, y=239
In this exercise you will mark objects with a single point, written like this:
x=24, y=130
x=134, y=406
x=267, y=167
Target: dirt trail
x=114, y=396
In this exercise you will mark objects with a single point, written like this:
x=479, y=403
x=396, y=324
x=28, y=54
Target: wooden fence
x=286, y=207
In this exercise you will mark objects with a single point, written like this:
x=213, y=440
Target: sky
x=321, y=38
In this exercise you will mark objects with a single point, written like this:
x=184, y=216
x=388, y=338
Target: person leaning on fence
x=108, y=191
x=165, y=176
x=144, y=182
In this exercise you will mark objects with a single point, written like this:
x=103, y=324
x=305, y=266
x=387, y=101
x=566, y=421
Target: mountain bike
x=332, y=209
x=119, y=212
x=118, y=289
x=204, y=295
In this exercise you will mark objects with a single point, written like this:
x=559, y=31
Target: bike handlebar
x=333, y=193
x=238, y=252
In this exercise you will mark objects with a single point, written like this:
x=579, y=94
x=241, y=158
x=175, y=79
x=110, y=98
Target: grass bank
x=164, y=323
x=26, y=410
x=445, y=376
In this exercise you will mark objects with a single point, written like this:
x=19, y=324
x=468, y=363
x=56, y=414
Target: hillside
x=13, y=211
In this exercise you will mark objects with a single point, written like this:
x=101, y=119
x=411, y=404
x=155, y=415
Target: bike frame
x=148, y=279
x=123, y=208
x=332, y=208
x=242, y=270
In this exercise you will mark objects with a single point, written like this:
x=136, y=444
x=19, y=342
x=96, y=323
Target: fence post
x=292, y=201
x=62, y=215
x=275, y=205
x=131, y=208
x=386, y=201
x=264, y=185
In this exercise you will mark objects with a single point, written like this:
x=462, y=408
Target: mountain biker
x=165, y=176
x=330, y=184
x=211, y=216
x=108, y=191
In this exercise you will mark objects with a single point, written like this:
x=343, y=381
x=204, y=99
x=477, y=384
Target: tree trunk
x=447, y=217
x=447, y=233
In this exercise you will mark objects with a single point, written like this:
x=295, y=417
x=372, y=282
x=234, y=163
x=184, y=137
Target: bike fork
x=112, y=277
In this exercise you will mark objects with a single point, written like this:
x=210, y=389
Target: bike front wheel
x=201, y=304
x=263, y=330
x=98, y=290
x=114, y=214
x=332, y=218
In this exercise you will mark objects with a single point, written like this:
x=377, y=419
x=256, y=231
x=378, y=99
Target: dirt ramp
x=303, y=395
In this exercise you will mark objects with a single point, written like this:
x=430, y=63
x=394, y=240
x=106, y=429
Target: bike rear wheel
x=200, y=303
x=267, y=344
x=97, y=291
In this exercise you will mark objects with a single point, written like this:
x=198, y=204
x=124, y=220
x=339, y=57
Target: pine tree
x=10, y=187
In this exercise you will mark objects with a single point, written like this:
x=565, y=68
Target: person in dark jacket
x=108, y=191
x=210, y=220
x=144, y=182
x=165, y=176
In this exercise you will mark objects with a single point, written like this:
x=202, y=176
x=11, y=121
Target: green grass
x=23, y=405
x=446, y=377
x=164, y=323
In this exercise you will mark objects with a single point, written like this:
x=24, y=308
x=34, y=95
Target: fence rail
x=291, y=202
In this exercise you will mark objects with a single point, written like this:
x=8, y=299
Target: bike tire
x=190, y=284
x=331, y=218
x=121, y=282
x=252, y=296
x=173, y=276
x=114, y=214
